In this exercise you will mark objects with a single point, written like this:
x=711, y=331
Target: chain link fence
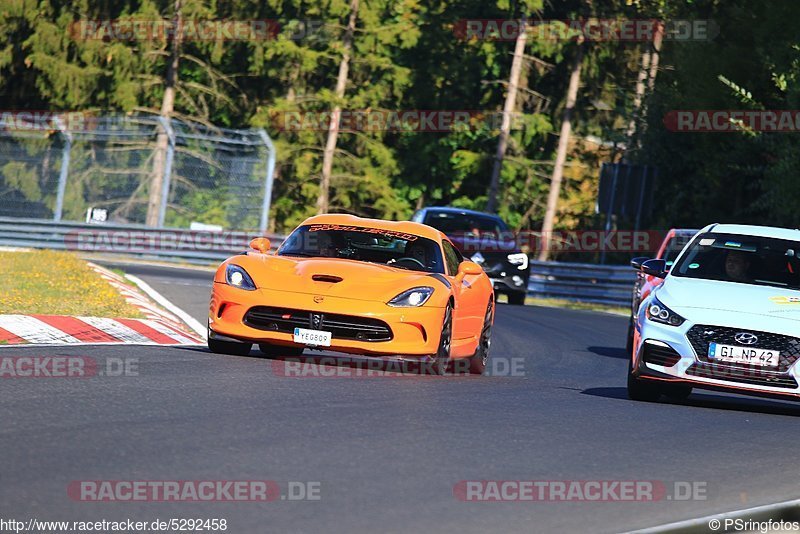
x=134, y=169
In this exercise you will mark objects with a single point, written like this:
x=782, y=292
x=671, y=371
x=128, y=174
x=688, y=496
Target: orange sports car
x=354, y=285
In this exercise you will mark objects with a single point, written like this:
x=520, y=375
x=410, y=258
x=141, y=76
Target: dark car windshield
x=465, y=224
x=742, y=259
x=374, y=245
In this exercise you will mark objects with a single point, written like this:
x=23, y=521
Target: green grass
x=572, y=305
x=118, y=272
x=57, y=283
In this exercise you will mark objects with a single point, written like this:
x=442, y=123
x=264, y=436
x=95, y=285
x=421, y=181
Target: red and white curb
x=67, y=329
x=160, y=327
x=161, y=310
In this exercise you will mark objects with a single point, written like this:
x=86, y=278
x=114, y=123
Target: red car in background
x=673, y=243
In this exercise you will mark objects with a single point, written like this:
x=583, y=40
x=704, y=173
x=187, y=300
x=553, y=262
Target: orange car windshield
x=359, y=243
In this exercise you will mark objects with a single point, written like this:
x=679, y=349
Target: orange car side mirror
x=468, y=267
x=260, y=244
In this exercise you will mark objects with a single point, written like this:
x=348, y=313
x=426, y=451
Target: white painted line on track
x=190, y=321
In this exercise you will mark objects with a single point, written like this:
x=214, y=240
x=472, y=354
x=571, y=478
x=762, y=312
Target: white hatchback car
x=726, y=317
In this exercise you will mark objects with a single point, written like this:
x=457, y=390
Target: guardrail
x=604, y=284
x=144, y=242
x=585, y=282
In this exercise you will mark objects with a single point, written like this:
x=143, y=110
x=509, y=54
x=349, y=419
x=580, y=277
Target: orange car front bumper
x=415, y=331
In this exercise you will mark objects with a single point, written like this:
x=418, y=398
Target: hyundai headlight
x=416, y=296
x=658, y=313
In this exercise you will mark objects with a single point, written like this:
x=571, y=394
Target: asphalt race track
x=386, y=451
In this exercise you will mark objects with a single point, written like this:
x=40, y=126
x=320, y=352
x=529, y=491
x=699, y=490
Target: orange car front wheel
x=478, y=361
x=441, y=360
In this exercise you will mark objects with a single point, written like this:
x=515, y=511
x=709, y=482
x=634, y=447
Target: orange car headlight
x=416, y=296
x=237, y=277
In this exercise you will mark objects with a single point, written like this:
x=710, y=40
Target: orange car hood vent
x=327, y=278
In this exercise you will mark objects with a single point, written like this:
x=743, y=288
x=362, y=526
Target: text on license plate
x=312, y=337
x=748, y=355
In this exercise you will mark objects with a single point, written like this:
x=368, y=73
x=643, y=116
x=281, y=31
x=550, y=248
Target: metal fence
x=134, y=169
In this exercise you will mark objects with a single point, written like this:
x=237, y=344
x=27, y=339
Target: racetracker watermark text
x=66, y=367
x=588, y=241
x=403, y=120
x=41, y=120
x=344, y=367
x=132, y=29
x=560, y=241
x=733, y=120
x=193, y=490
x=121, y=241
x=590, y=29
x=578, y=490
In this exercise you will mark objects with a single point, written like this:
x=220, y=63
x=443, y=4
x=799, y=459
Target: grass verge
x=571, y=305
x=57, y=283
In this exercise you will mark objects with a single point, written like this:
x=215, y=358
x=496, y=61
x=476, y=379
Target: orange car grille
x=340, y=326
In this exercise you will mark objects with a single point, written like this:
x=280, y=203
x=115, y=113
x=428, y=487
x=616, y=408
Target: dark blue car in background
x=485, y=239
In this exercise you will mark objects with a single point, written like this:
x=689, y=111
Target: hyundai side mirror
x=636, y=263
x=657, y=268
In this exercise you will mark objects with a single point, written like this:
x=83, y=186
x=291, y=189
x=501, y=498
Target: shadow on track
x=329, y=364
x=609, y=352
x=705, y=399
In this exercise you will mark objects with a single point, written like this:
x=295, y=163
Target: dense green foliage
x=747, y=177
x=407, y=55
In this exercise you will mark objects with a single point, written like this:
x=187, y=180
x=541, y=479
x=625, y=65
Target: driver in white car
x=737, y=266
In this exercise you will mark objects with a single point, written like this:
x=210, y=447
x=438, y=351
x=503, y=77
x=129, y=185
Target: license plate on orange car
x=312, y=337
x=748, y=355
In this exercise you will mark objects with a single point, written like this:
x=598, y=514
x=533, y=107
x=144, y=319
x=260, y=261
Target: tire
x=629, y=344
x=641, y=390
x=517, y=298
x=229, y=347
x=441, y=360
x=477, y=362
x=279, y=350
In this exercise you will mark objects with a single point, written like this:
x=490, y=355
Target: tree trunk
x=644, y=86
x=638, y=98
x=508, y=109
x=651, y=80
x=323, y=199
x=420, y=201
x=657, y=40
x=167, y=107
x=561, y=155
